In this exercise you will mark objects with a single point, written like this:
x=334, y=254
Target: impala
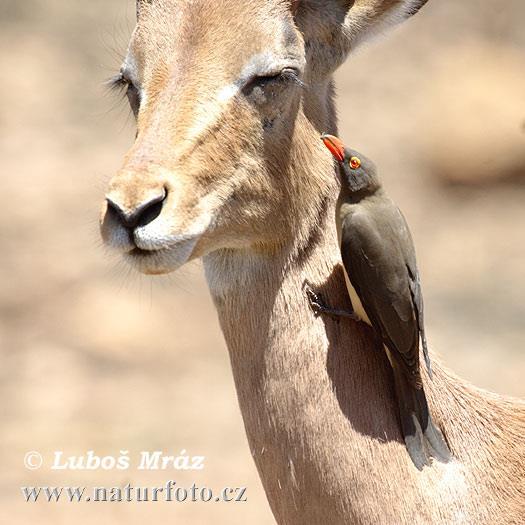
x=230, y=98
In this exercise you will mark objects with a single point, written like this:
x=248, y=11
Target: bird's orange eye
x=355, y=163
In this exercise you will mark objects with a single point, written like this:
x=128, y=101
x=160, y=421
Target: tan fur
x=258, y=204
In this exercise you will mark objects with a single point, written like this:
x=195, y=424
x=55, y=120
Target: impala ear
x=333, y=28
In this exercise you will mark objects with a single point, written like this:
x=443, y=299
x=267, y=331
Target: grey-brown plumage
x=383, y=280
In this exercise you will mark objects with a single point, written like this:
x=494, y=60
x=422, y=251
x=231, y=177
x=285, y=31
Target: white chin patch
x=156, y=236
x=162, y=261
x=161, y=252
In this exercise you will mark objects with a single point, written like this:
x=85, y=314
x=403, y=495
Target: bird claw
x=319, y=307
x=316, y=303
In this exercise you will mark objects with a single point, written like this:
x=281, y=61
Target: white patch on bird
x=357, y=305
x=389, y=355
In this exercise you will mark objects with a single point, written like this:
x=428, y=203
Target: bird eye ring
x=355, y=163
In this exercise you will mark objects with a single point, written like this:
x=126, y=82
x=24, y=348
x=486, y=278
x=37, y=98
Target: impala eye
x=133, y=95
x=124, y=84
x=273, y=81
x=355, y=163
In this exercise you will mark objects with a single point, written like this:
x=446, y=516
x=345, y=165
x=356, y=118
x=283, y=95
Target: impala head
x=230, y=97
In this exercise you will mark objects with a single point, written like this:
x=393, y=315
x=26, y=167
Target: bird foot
x=319, y=307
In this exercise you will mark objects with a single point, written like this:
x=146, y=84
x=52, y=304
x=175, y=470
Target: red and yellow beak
x=336, y=147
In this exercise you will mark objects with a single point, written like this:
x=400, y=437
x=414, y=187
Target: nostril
x=115, y=210
x=142, y=215
x=150, y=211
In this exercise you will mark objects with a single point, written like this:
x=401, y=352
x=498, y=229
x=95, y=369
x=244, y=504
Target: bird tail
x=423, y=439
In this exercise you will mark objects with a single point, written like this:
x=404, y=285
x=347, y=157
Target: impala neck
x=298, y=376
x=301, y=380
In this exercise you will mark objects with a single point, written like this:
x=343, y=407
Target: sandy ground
x=95, y=357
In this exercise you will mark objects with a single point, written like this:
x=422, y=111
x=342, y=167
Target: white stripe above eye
x=209, y=113
x=228, y=92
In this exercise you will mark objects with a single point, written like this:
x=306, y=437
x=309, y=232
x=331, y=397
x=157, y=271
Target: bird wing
x=377, y=252
x=417, y=298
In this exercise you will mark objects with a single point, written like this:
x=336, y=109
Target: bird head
x=358, y=172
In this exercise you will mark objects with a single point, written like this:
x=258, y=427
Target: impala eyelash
x=117, y=82
x=286, y=75
x=291, y=75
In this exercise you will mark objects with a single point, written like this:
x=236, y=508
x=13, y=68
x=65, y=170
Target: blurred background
x=95, y=357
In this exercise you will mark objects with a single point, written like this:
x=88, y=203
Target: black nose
x=144, y=213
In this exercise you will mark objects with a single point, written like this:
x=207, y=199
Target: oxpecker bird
x=383, y=282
